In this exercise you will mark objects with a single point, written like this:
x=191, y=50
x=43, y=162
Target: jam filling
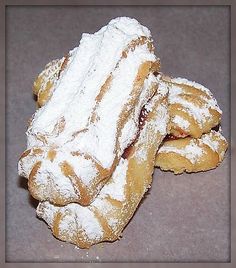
x=141, y=122
x=156, y=73
x=216, y=128
x=142, y=119
x=170, y=137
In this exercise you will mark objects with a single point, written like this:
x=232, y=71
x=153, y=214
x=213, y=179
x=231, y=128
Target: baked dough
x=106, y=217
x=193, y=109
x=104, y=114
x=44, y=84
x=185, y=124
x=191, y=154
x=76, y=139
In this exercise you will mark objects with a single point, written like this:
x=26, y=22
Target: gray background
x=182, y=218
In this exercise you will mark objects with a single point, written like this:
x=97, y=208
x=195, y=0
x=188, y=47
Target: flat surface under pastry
x=191, y=211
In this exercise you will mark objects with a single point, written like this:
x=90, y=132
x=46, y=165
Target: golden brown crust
x=43, y=86
x=193, y=109
x=107, y=216
x=192, y=155
x=84, y=194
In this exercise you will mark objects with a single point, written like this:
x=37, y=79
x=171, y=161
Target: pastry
x=180, y=123
x=75, y=140
x=105, y=112
x=44, y=84
x=105, y=218
x=192, y=154
x=193, y=109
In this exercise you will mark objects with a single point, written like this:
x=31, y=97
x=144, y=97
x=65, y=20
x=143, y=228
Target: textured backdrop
x=182, y=218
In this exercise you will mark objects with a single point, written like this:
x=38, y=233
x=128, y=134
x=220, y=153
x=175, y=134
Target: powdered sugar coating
x=104, y=130
x=193, y=108
x=81, y=81
x=50, y=173
x=213, y=144
x=81, y=116
x=211, y=102
x=49, y=74
x=115, y=189
x=192, y=151
x=199, y=113
x=196, y=147
x=178, y=120
x=184, y=81
x=75, y=218
x=214, y=140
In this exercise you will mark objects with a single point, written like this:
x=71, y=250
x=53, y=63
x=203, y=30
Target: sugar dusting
x=214, y=140
x=115, y=188
x=178, y=120
x=213, y=144
x=83, y=77
x=65, y=120
x=201, y=112
x=103, y=132
x=50, y=73
x=192, y=151
x=195, y=149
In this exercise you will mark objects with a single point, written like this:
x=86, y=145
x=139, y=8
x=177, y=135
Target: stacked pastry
x=104, y=113
x=192, y=144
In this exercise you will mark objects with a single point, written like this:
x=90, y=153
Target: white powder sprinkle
x=187, y=82
x=184, y=124
x=192, y=151
x=50, y=73
x=102, y=133
x=75, y=99
x=78, y=218
x=199, y=110
x=213, y=144
x=199, y=113
x=211, y=102
x=115, y=189
x=50, y=173
x=83, y=167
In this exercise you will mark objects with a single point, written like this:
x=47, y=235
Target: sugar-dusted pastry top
x=105, y=112
x=89, y=66
x=105, y=218
x=94, y=108
x=79, y=91
x=191, y=154
x=192, y=107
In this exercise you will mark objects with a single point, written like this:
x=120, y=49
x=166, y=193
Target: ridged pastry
x=193, y=109
x=106, y=217
x=44, y=84
x=75, y=141
x=191, y=154
x=180, y=124
x=91, y=147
